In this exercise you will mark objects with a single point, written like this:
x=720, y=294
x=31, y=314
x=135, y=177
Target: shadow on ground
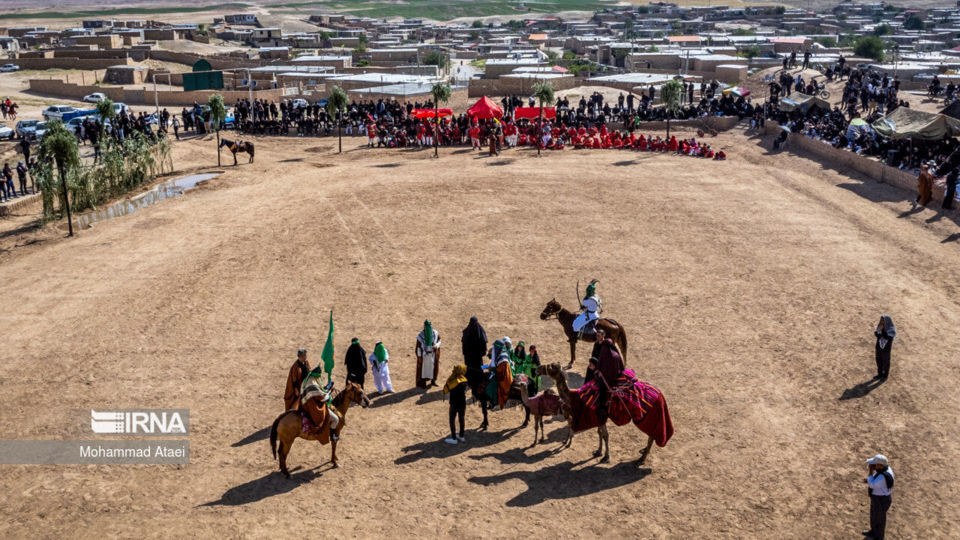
x=565, y=481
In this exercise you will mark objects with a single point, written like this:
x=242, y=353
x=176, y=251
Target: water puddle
x=165, y=190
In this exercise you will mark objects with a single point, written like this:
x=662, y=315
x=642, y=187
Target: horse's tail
x=623, y=340
x=273, y=434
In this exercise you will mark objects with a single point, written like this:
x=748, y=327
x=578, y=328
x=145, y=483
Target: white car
x=119, y=107
x=57, y=111
x=5, y=132
x=9, y=67
x=40, y=130
x=95, y=97
x=300, y=103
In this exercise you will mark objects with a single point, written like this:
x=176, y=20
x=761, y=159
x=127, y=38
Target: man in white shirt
x=880, y=488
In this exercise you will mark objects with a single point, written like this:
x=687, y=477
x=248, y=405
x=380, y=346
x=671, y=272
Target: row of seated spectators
x=834, y=128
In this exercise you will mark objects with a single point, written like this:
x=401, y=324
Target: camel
x=546, y=403
x=554, y=372
x=288, y=426
x=613, y=329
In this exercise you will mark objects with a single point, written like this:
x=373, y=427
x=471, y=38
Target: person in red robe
x=720, y=156
x=672, y=147
x=643, y=143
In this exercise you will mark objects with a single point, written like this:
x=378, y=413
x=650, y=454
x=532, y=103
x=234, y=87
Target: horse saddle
x=315, y=420
x=590, y=328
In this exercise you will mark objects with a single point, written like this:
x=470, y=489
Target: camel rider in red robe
x=590, y=306
x=316, y=401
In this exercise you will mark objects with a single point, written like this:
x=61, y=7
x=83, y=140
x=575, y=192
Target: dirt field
x=750, y=289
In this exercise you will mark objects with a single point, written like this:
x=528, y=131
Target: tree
x=441, y=94
x=335, y=106
x=883, y=29
x=477, y=24
x=750, y=53
x=217, y=114
x=437, y=58
x=543, y=91
x=827, y=41
x=60, y=145
x=869, y=47
x=106, y=113
x=914, y=23
x=670, y=94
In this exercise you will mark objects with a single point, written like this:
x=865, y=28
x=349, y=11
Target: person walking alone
x=880, y=488
x=886, y=332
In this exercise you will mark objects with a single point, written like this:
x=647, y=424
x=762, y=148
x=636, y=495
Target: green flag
x=327, y=354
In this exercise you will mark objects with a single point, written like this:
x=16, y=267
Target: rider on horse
x=590, y=307
x=298, y=372
x=316, y=401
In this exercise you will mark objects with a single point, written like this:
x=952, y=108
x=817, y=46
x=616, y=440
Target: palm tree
x=335, y=106
x=544, y=93
x=61, y=145
x=441, y=93
x=670, y=94
x=217, y=114
x=106, y=113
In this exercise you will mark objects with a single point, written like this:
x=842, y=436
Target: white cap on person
x=878, y=459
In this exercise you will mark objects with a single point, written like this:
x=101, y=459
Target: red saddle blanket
x=631, y=400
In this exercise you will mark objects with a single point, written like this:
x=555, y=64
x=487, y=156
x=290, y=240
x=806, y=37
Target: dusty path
x=749, y=289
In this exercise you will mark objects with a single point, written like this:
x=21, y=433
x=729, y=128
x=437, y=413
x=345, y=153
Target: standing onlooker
x=885, y=332
x=924, y=185
x=880, y=488
x=456, y=386
x=951, y=189
x=381, y=370
x=356, y=361
x=8, y=179
x=427, y=351
x=22, y=176
x=4, y=196
x=176, y=127
x=25, y=148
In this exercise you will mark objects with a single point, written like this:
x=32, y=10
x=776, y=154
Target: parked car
x=95, y=97
x=57, y=112
x=40, y=129
x=119, y=107
x=9, y=67
x=5, y=132
x=26, y=127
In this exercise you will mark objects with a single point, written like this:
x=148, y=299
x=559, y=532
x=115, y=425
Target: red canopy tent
x=534, y=112
x=428, y=113
x=485, y=108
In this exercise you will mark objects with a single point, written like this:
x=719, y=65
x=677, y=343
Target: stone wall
x=59, y=88
x=71, y=63
x=517, y=86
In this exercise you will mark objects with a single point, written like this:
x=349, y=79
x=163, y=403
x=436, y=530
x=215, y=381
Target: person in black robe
x=885, y=332
x=356, y=361
x=474, y=344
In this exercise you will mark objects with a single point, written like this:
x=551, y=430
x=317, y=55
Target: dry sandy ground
x=749, y=288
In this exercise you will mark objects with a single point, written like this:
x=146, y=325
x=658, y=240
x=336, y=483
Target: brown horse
x=288, y=426
x=554, y=372
x=612, y=328
x=239, y=146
